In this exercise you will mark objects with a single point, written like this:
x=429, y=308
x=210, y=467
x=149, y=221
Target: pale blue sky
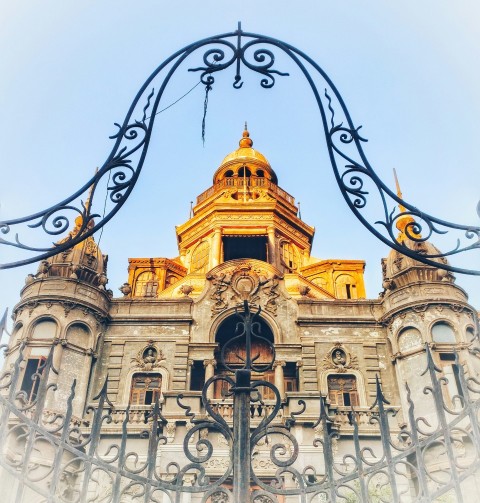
x=408, y=72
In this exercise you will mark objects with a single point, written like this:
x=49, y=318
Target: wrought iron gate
x=55, y=457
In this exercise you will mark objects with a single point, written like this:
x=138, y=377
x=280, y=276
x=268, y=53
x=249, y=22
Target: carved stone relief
x=339, y=359
x=148, y=358
x=244, y=283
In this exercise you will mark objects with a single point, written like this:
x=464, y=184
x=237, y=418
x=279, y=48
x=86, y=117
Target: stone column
x=189, y=375
x=216, y=247
x=272, y=258
x=209, y=372
x=280, y=378
x=300, y=375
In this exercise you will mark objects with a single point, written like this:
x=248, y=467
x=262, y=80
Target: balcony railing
x=247, y=182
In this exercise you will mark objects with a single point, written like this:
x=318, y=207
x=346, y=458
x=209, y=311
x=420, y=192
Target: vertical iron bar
x=241, y=436
x=420, y=461
x=57, y=463
x=358, y=458
x=385, y=435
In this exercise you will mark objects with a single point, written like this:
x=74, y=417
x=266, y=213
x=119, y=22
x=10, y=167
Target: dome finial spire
x=404, y=220
x=246, y=141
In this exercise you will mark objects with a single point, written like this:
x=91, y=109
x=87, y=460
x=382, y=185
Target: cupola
x=245, y=162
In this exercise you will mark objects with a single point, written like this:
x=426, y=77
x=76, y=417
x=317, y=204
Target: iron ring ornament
x=356, y=178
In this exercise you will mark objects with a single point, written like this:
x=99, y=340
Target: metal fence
x=52, y=456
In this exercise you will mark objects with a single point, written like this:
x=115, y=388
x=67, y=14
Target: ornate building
x=163, y=337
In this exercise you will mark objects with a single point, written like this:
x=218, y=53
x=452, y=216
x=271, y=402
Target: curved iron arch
x=255, y=52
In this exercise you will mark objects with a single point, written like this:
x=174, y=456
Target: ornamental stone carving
x=244, y=283
x=148, y=358
x=339, y=359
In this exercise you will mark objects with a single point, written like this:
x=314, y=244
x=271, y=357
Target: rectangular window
x=342, y=391
x=31, y=381
x=197, y=376
x=145, y=389
x=254, y=247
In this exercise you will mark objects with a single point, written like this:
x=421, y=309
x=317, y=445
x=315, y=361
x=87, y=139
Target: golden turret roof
x=246, y=156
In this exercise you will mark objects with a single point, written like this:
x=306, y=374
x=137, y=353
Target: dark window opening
x=447, y=357
x=290, y=375
x=31, y=382
x=197, y=376
x=244, y=172
x=349, y=292
x=260, y=173
x=254, y=247
x=229, y=173
x=346, y=399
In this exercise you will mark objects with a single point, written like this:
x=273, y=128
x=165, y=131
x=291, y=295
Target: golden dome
x=247, y=156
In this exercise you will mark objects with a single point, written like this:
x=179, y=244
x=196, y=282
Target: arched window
x=244, y=171
x=44, y=329
x=290, y=256
x=78, y=334
x=442, y=332
x=342, y=390
x=200, y=255
x=346, y=287
x=146, y=284
x=235, y=354
x=409, y=338
x=146, y=388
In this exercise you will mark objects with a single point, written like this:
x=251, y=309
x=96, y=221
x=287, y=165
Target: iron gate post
x=241, y=436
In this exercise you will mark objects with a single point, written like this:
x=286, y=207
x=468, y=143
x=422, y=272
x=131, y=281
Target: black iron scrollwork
x=358, y=182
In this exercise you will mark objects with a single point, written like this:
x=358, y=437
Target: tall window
x=342, y=390
x=346, y=287
x=145, y=389
x=200, y=257
x=146, y=284
x=31, y=377
x=290, y=256
x=450, y=370
x=197, y=376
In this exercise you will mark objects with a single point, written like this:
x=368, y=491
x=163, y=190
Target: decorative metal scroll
x=49, y=455
x=360, y=185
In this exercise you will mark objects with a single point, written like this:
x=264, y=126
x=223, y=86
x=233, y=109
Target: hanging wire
x=104, y=209
x=144, y=119
x=176, y=101
x=208, y=88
